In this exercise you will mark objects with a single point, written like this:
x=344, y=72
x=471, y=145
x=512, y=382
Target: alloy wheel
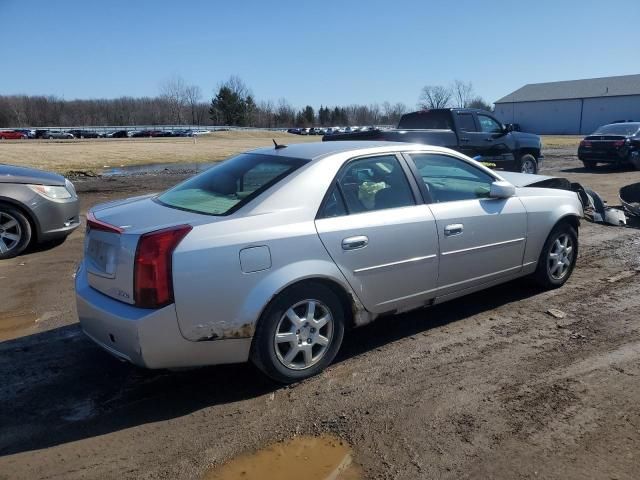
x=303, y=334
x=560, y=256
x=528, y=166
x=10, y=232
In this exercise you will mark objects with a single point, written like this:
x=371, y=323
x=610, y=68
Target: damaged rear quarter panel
x=216, y=300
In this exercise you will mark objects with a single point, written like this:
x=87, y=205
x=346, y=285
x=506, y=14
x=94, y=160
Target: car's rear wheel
x=299, y=333
x=589, y=165
x=15, y=232
x=527, y=163
x=558, y=257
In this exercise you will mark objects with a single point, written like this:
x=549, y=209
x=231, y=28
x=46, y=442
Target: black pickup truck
x=476, y=133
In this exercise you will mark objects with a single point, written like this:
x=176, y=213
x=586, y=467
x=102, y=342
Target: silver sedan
x=270, y=256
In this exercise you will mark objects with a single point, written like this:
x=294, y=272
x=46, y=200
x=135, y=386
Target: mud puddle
x=155, y=168
x=312, y=458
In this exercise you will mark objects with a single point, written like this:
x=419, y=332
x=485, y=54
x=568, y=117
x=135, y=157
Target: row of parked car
x=328, y=130
x=23, y=134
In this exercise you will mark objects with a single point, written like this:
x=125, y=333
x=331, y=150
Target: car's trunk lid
x=603, y=144
x=110, y=245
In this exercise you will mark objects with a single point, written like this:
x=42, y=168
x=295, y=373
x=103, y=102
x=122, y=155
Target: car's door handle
x=453, y=229
x=488, y=139
x=464, y=139
x=353, y=243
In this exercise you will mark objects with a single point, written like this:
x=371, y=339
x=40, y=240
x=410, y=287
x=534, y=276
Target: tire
x=548, y=274
x=15, y=232
x=589, y=164
x=527, y=163
x=286, y=361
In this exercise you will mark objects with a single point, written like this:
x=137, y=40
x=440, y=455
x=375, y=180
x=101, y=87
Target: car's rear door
x=380, y=234
x=481, y=238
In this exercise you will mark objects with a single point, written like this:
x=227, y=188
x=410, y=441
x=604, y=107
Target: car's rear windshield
x=428, y=120
x=618, y=129
x=224, y=188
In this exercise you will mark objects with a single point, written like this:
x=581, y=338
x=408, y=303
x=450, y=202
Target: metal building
x=572, y=107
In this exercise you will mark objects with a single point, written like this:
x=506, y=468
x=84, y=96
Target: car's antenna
x=278, y=147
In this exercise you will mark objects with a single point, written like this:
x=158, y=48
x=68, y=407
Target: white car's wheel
x=299, y=334
x=558, y=257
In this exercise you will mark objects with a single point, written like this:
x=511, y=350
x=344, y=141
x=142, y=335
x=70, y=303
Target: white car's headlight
x=57, y=193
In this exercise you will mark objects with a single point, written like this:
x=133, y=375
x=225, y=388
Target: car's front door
x=383, y=240
x=481, y=238
x=497, y=141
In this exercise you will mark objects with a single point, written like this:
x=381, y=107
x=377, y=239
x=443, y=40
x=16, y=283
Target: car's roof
x=315, y=150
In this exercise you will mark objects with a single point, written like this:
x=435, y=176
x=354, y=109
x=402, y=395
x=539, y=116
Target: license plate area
x=102, y=256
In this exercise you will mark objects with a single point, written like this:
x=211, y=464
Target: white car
x=273, y=254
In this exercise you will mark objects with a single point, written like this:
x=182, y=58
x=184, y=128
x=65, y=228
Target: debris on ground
x=555, y=313
x=630, y=198
x=596, y=209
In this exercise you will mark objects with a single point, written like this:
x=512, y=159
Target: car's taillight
x=618, y=143
x=153, y=284
x=94, y=224
x=585, y=143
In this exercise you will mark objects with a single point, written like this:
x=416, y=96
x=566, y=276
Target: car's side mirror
x=500, y=189
x=508, y=128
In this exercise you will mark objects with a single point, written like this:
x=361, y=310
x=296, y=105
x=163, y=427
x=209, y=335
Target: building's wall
x=562, y=117
x=602, y=110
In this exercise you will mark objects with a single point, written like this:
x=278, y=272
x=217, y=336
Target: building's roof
x=587, y=88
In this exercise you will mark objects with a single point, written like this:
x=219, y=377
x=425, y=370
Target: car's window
x=375, y=183
x=626, y=129
x=226, y=187
x=334, y=204
x=489, y=125
x=466, y=123
x=426, y=119
x=449, y=179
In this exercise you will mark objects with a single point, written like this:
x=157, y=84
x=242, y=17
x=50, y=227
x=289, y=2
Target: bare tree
x=173, y=91
x=435, y=96
x=462, y=93
x=237, y=86
x=193, y=94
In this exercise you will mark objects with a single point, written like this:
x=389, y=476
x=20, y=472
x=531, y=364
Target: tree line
x=179, y=103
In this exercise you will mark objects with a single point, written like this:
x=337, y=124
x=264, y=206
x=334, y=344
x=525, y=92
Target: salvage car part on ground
x=630, y=198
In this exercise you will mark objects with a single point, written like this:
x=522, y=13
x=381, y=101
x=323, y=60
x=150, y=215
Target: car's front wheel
x=15, y=232
x=299, y=333
x=558, y=257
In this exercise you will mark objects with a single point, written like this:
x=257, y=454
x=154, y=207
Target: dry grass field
x=561, y=141
x=95, y=155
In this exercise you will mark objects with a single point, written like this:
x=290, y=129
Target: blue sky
x=323, y=52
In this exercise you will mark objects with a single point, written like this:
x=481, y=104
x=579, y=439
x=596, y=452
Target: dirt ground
x=486, y=386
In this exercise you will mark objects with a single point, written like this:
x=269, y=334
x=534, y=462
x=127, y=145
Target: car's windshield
x=618, y=129
x=226, y=187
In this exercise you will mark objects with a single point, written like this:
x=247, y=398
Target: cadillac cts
x=273, y=254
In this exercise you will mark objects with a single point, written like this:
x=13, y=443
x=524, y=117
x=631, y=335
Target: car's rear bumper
x=603, y=157
x=148, y=338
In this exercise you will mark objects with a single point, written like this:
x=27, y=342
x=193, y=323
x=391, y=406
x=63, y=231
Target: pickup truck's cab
x=476, y=133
